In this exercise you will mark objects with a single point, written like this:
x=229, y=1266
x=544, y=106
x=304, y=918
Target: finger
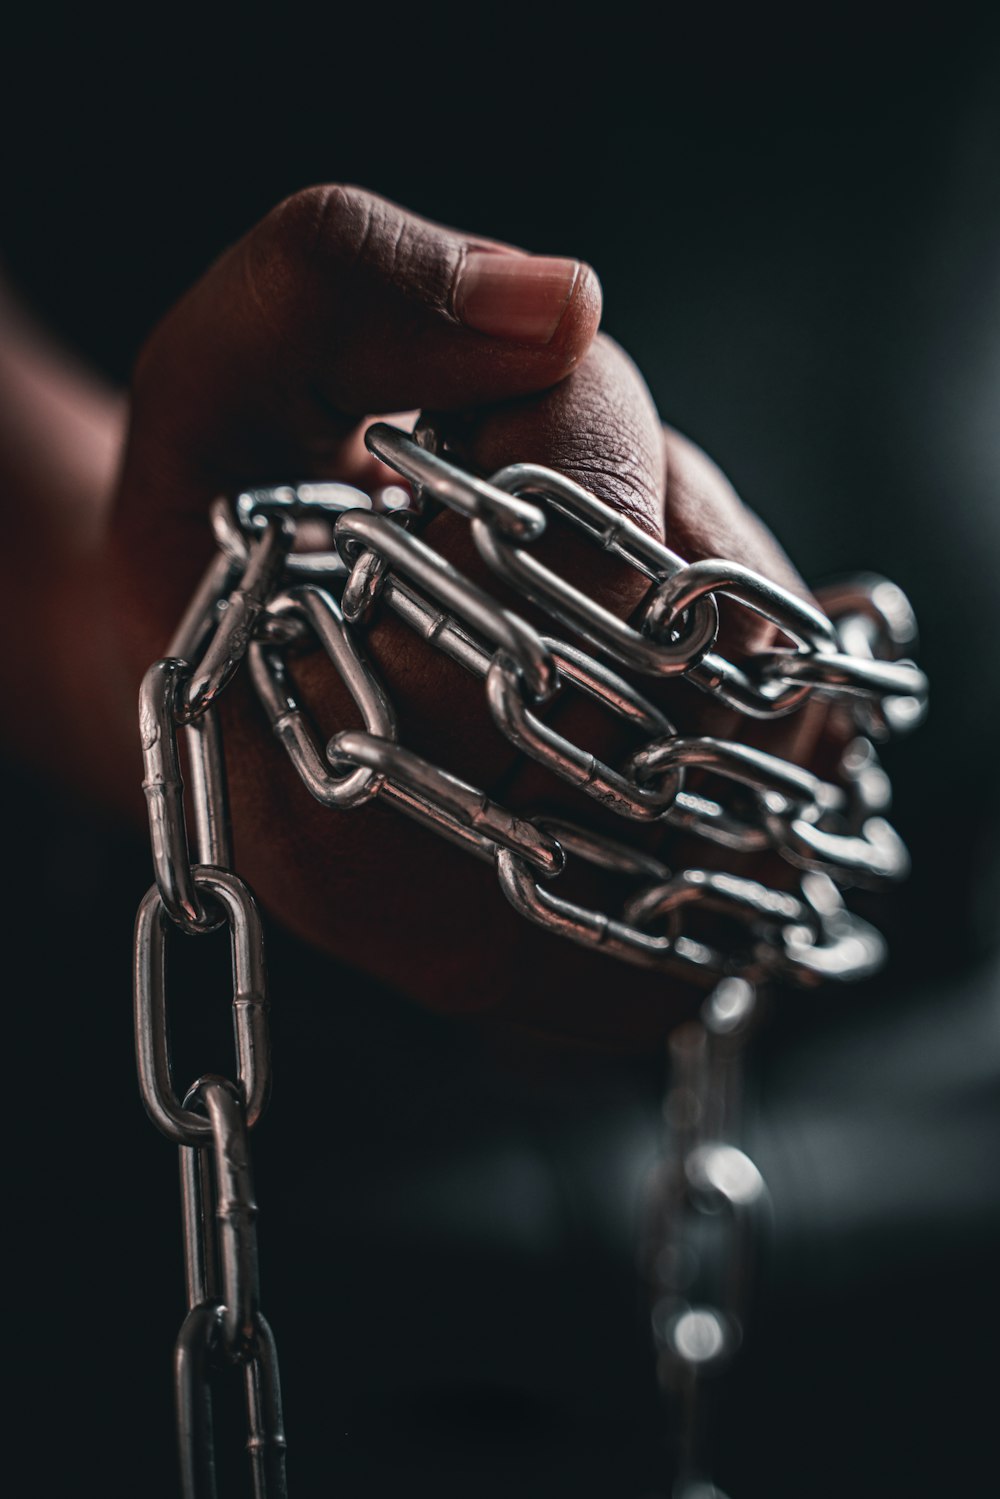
x=599, y=427
x=337, y=304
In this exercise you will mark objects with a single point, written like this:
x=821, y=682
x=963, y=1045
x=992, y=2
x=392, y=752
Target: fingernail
x=521, y=297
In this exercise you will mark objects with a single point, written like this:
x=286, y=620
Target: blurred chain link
x=260, y=600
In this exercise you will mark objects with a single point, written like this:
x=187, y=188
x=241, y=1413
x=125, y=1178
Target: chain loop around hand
x=261, y=599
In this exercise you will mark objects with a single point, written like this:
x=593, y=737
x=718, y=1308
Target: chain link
x=666, y=654
x=224, y=1328
x=321, y=614
x=262, y=601
x=197, y=892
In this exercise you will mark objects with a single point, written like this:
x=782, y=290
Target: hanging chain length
x=258, y=599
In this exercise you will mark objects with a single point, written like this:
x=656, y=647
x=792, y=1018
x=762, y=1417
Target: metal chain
x=224, y=1328
x=707, y=1202
x=259, y=599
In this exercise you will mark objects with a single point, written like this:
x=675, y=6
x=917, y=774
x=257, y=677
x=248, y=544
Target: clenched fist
x=339, y=307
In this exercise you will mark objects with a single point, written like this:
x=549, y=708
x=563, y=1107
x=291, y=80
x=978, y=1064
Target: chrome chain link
x=196, y=891
x=259, y=600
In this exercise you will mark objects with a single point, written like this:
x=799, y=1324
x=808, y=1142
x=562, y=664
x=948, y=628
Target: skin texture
x=337, y=307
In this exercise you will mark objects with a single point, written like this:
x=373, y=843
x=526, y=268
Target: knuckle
x=613, y=446
x=598, y=426
x=620, y=478
x=281, y=253
x=292, y=265
x=320, y=240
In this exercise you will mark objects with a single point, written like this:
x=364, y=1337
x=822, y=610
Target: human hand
x=337, y=307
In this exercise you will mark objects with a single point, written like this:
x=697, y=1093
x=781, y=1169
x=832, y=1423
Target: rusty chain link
x=259, y=599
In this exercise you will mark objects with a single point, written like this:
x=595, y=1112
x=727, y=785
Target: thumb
x=336, y=305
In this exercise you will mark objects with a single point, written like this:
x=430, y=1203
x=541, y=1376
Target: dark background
x=798, y=232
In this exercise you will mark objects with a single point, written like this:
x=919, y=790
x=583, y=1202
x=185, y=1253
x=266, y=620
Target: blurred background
x=798, y=233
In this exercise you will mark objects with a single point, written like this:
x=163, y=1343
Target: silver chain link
x=224, y=1328
x=259, y=599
